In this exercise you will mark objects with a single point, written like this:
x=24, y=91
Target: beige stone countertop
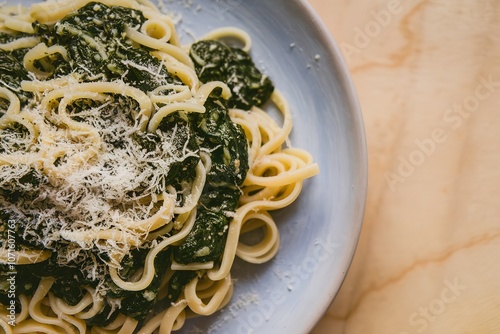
x=427, y=74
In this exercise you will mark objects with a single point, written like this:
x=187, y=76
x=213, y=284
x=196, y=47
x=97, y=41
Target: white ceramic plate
x=319, y=232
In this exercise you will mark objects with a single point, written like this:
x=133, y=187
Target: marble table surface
x=427, y=74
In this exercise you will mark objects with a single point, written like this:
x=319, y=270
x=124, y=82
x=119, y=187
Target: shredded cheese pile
x=122, y=184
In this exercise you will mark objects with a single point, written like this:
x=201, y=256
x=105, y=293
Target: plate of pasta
x=174, y=166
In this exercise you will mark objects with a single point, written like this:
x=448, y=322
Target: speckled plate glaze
x=319, y=232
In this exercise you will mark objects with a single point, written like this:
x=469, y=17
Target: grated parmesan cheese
x=105, y=192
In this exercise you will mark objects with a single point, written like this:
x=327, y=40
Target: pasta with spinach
x=130, y=167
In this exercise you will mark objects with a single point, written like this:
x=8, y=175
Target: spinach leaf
x=225, y=140
x=25, y=282
x=229, y=153
x=98, y=48
x=12, y=72
x=104, y=317
x=177, y=283
x=139, y=304
x=206, y=240
x=184, y=141
x=215, y=61
x=25, y=187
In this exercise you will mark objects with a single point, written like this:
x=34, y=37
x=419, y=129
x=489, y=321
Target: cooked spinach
x=12, y=72
x=215, y=61
x=184, y=140
x=29, y=226
x=177, y=282
x=9, y=228
x=64, y=286
x=25, y=187
x=138, y=304
x=98, y=48
x=25, y=282
x=229, y=153
x=225, y=139
x=207, y=239
x=104, y=317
